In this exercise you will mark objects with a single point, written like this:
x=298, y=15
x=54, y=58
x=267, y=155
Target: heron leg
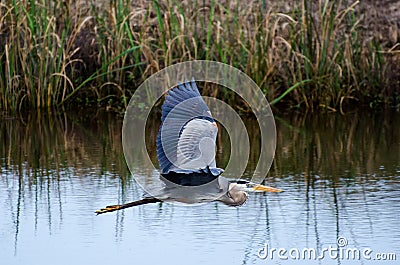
x=112, y=208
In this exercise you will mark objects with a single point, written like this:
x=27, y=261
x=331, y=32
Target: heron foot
x=108, y=209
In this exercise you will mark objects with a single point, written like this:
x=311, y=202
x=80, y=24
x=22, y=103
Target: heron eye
x=242, y=182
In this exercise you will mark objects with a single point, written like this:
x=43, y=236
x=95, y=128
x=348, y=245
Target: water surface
x=341, y=176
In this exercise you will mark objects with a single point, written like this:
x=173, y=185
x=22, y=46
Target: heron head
x=237, y=193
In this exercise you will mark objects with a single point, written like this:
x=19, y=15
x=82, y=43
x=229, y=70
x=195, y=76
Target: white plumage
x=196, y=145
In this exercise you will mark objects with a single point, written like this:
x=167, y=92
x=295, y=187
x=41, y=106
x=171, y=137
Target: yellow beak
x=266, y=188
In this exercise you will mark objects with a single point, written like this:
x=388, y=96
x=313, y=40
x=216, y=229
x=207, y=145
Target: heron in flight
x=186, y=144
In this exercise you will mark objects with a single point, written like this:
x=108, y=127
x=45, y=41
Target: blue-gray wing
x=186, y=138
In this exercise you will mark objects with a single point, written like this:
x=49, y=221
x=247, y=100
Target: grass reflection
x=45, y=158
x=42, y=149
x=336, y=147
x=41, y=146
x=54, y=167
x=40, y=152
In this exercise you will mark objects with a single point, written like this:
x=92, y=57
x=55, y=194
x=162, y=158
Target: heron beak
x=261, y=188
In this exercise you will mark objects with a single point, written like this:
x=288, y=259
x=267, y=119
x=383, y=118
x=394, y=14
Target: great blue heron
x=186, y=155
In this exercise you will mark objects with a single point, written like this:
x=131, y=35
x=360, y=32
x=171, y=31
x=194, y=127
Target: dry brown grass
x=306, y=54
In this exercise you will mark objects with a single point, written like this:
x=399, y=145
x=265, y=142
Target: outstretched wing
x=187, y=135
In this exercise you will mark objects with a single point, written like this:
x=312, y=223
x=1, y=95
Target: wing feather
x=196, y=145
x=186, y=138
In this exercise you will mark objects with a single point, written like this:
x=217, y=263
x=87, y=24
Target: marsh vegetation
x=303, y=54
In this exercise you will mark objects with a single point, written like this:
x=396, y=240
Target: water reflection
x=338, y=146
x=340, y=174
x=42, y=156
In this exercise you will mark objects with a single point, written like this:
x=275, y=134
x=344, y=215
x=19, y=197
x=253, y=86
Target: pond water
x=340, y=175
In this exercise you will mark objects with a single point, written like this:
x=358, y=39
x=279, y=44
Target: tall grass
x=42, y=44
x=306, y=54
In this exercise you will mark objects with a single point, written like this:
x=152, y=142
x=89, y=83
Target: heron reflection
x=186, y=144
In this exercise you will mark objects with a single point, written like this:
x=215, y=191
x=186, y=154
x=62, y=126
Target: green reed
x=311, y=55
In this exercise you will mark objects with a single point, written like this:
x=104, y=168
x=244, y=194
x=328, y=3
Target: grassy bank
x=306, y=54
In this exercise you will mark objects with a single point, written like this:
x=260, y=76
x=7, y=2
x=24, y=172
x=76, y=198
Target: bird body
x=186, y=144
